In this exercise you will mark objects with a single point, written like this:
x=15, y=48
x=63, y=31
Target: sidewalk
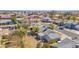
x=63, y=36
x=73, y=31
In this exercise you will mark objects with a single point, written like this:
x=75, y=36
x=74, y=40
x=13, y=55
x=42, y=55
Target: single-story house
x=5, y=16
x=46, y=19
x=42, y=28
x=42, y=36
x=48, y=34
x=6, y=22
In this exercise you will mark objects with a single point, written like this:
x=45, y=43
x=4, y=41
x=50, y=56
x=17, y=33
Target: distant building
x=6, y=22
x=46, y=19
x=5, y=16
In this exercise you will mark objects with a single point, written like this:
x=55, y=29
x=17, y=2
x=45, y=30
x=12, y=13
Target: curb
x=63, y=36
x=73, y=31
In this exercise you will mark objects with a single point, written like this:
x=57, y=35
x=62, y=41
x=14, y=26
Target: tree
x=35, y=29
x=51, y=41
x=73, y=18
x=68, y=17
x=39, y=44
x=19, y=32
x=13, y=18
x=51, y=26
x=21, y=43
x=52, y=13
x=4, y=39
x=46, y=45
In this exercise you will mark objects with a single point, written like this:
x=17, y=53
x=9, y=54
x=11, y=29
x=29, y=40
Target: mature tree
x=52, y=13
x=73, y=18
x=13, y=18
x=49, y=43
x=68, y=17
x=35, y=29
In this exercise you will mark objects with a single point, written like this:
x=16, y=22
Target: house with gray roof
x=46, y=19
x=48, y=34
x=42, y=36
x=6, y=22
x=42, y=28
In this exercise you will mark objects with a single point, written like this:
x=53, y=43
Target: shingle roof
x=54, y=36
x=42, y=28
x=41, y=34
x=50, y=34
x=49, y=31
x=45, y=19
x=4, y=21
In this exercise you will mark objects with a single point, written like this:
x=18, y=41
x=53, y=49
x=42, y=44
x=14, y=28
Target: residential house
x=46, y=19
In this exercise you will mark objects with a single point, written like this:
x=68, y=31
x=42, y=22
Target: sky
x=39, y=5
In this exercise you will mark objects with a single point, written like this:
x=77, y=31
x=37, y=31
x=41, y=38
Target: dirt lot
x=29, y=42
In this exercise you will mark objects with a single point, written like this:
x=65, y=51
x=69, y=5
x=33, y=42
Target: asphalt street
x=70, y=34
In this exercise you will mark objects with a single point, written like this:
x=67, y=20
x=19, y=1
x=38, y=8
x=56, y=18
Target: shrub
x=51, y=26
x=21, y=43
x=51, y=41
x=19, y=32
x=35, y=29
x=5, y=37
x=13, y=18
x=46, y=45
x=39, y=44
